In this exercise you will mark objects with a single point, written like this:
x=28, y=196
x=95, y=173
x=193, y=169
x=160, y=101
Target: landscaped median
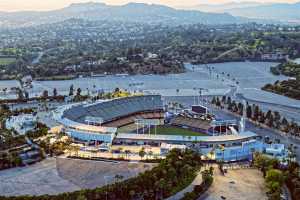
x=172, y=175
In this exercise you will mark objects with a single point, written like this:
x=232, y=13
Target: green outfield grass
x=164, y=130
x=7, y=61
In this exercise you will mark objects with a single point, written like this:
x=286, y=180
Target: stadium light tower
x=146, y=122
x=200, y=90
x=243, y=119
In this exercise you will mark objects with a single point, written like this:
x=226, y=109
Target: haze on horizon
x=18, y=5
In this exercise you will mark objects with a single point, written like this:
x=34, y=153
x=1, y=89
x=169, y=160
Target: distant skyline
x=19, y=5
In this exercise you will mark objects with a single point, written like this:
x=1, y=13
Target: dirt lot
x=53, y=176
x=239, y=184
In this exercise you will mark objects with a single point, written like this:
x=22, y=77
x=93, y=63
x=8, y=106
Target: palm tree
x=45, y=93
x=126, y=153
x=71, y=92
x=78, y=92
x=119, y=178
x=150, y=154
x=120, y=149
x=4, y=90
x=142, y=153
x=54, y=92
x=76, y=149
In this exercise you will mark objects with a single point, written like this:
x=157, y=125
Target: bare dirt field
x=53, y=176
x=239, y=184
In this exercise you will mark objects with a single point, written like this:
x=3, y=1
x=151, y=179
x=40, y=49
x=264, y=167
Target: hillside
x=221, y=8
x=280, y=12
x=289, y=88
x=132, y=12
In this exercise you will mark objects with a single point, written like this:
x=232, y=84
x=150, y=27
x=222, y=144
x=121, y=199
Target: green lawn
x=7, y=61
x=163, y=130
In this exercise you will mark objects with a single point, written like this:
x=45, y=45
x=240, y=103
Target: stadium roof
x=114, y=109
x=83, y=127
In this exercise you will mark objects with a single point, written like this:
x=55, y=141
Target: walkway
x=180, y=195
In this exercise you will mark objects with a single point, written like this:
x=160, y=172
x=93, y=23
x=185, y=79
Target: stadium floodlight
x=146, y=122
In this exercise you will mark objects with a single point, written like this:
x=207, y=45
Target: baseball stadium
x=143, y=121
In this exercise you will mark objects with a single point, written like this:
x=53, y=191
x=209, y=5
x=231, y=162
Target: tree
x=229, y=106
x=229, y=100
x=81, y=197
x=274, y=179
x=20, y=93
x=275, y=175
x=240, y=108
x=256, y=113
x=262, y=117
x=71, y=92
x=142, y=153
x=150, y=154
x=270, y=121
x=269, y=113
x=119, y=177
x=249, y=112
x=54, y=92
x=4, y=90
x=284, y=121
x=45, y=94
x=213, y=101
x=277, y=118
x=127, y=152
x=117, y=90
x=26, y=95
x=78, y=93
x=218, y=103
x=261, y=162
x=224, y=99
x=234, y=106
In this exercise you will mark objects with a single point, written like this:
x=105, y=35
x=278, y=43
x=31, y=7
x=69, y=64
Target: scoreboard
x=199, y=109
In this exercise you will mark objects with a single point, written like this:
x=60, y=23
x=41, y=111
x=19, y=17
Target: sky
x=17, y=5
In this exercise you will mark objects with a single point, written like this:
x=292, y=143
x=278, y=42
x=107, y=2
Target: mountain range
x=283, y=12
x=221, y=8
x=131, y=12
x=158, y=14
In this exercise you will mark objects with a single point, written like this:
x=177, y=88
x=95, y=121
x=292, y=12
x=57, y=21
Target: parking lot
x=40, y=178
x=54, y=176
